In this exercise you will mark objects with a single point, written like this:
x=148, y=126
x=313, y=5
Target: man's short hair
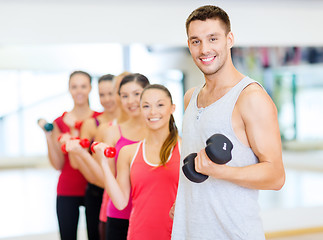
x=209, y=12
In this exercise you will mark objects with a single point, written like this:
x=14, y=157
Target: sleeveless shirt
x=216, y=209
x=71, y=182
x=153, y=194
x=112, y=211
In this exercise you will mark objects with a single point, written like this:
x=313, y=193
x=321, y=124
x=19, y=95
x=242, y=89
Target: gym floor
x=27, y=205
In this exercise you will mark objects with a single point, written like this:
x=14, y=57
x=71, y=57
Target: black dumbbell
x=218, y=149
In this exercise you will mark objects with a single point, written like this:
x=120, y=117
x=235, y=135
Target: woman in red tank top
x=128, y=132
x=90, y=169
x=148, y=171
x=71, y=184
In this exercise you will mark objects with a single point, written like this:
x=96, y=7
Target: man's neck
x=217, y=85
x=225, y=77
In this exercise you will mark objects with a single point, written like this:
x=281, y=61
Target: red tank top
x=154, y=191
x=71, y=182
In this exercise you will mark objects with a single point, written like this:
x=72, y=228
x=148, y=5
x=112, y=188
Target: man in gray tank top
x=225, y=206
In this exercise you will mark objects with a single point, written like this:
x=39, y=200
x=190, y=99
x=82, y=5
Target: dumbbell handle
x=109, y=152
x=85, y=143
x=218, y=150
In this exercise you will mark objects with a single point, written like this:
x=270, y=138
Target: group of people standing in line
x=138, y=114
x=132, y=195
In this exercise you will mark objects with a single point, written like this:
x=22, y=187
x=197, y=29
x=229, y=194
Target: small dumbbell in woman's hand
x=46, y=126
x=84, y=143
x=109, y=152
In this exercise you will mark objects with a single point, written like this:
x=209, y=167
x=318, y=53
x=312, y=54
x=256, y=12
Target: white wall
x=273, y=22
x=45, y=29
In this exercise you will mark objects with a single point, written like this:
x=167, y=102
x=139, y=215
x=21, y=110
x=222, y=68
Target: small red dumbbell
x=109, y=152
x=85, y=143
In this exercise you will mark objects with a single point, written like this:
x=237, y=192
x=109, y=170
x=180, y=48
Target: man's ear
x=189, y=45
x=230, y=40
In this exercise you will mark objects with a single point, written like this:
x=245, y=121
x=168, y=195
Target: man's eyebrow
x=213, y=34
x=209, y=35
x=193, y=37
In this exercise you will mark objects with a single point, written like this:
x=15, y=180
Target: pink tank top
x=112, y=211
x=154, y=191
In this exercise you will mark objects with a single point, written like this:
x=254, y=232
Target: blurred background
x=278, y=43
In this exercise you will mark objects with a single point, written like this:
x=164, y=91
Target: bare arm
x=118, y=189
x=101, y=131
x=108, y=135
x=88, y=129
x=55, y=155
x=260, y=126
x=83, y=160
x=72, y=148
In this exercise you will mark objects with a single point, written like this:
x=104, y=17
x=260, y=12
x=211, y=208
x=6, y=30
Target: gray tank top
x=215, y=209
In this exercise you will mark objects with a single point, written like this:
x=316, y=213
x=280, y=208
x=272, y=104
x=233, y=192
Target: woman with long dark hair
x=148, y=171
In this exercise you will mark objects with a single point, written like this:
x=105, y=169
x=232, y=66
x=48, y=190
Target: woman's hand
x=73, y=146
x=171, y=212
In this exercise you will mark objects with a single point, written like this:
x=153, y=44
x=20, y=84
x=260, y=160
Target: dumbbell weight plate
x=189, y=170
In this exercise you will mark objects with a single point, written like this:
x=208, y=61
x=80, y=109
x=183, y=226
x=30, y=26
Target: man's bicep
x=262, y=129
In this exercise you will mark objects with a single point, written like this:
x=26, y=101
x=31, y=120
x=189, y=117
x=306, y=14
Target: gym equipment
x=218, y=149
x=85, y=143
x=109, y=152
x=48, y=127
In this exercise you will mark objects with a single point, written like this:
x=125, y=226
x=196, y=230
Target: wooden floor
x=317, y=236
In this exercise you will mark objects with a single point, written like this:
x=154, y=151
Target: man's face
x=209, y=45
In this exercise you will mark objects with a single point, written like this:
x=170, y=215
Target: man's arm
x=261, y=132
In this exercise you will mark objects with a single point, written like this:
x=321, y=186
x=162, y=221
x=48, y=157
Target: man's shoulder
x=254, y=99
x=252, y=91
x=188, y=96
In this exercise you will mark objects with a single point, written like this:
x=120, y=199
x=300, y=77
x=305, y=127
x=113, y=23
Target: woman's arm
x=55, y=155
x=118, y=189
x=88, y=129
x=81, y=159
x=87, y=163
